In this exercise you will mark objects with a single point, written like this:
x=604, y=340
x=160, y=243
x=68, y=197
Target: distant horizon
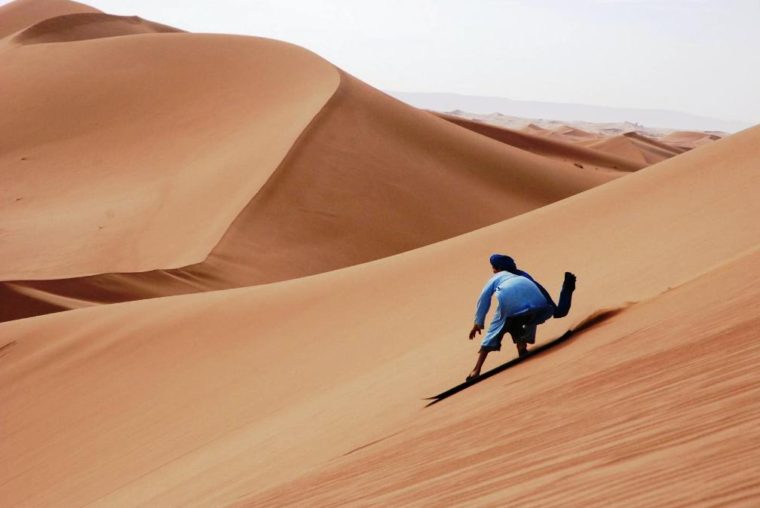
x=566, y=112
x=443, y=92
x=685, y=56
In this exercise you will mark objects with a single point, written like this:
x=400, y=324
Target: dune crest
x=533, y=139
x=86, y=26
x=19, y=14
x=636, y=147
x=689, y=139
x=142, y=162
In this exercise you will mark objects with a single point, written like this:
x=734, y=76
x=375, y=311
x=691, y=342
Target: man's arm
x=566, y=296
x=481, y=309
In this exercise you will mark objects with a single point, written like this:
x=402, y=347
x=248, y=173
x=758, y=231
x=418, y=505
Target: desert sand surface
x=584, y=131
x=626, y=147
x=209, y=398
x=126, y=138
x=297, y=370
x=690, y=139
x=15, y=16
x=537, y=140
x=636, y=147
x=180, y=192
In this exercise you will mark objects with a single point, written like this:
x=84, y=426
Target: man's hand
x=476, y=329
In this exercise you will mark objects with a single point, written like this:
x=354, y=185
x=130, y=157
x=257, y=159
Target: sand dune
x=85, y=26
x=534, y=129
x=636, y=147
x=222, y=395
x=574, y=132
x=533, y=139
x=689, y=139
x=652, y=408
x=420, y=179
x=141, y=161
x=586, y=133
x=334, y=242
x=21, y=14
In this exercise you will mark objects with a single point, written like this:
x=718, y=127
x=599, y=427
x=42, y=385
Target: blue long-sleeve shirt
x=515, y=294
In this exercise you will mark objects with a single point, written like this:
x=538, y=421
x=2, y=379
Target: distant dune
x=636, y=147
x=538, y=140
x=687, y=139
x=445, y=102
x=257, y=268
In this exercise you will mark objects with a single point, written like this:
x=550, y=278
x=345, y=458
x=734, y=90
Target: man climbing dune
x=523, y=304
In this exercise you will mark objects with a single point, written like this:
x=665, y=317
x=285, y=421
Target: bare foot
x=472, y=376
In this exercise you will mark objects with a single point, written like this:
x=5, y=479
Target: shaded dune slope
x=85, y=26
x=20, y=14
x=542, y=145
x=134, y=153
x=420, y=178
x=257, y=376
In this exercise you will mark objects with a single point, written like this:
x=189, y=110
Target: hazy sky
x=696, y=56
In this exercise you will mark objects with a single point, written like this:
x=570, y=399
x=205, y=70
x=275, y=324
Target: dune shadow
x=594, y=319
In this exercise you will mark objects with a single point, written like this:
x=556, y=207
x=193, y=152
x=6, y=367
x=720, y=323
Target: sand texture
x=360, y=143
x=232, y=274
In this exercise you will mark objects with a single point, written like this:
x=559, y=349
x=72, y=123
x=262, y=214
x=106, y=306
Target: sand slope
x=211, y=398
x=654, y=408
x=20, y=14
x=636, y=147
x=689, y=139
x=533, y=139
x=87, y=26
x=136, y=153
x=421, y=180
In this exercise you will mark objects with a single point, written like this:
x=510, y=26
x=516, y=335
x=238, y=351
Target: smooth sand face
x=224, y=394
x=421, y=180
x=87, y=26
x=136, y=153
x=533, y=139
x=689, y=139
x=654, y=407
x=309, y=390
x=21, y=14
x=636, y=147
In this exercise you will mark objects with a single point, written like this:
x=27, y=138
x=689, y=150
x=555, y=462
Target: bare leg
x=481, y=358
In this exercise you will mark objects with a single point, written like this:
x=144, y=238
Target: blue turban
x=502, y=262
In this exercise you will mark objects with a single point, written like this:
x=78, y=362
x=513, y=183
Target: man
x=523, y=304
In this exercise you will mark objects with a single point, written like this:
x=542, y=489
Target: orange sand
x=309, y=390
x=232, y=392
x=636, y=147
x=454, y=181
x=688, y=139
x=532, y=138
